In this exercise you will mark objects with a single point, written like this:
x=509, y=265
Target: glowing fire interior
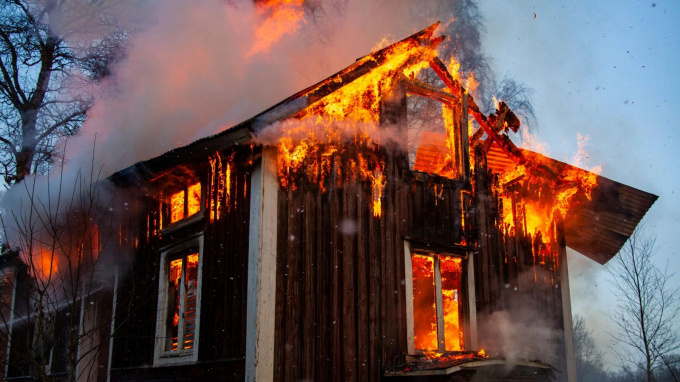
x=530, y=205
x=181, y=300
x=185, y=203
x=436, y=280
x=221, y=174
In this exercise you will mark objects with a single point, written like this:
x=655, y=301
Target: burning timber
x=373, y=226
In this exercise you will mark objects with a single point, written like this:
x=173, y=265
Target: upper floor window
x=185, y=202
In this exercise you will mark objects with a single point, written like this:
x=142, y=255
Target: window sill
x=183, y=223
x=176, y=358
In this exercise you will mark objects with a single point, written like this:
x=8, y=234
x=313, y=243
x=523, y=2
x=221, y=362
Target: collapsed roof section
x=597, y=228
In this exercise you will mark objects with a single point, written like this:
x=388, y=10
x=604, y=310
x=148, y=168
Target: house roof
x=596, y=229
x=290, y=106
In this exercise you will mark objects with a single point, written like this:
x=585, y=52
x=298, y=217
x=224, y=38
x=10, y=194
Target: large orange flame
x=283, y=17
x=347, y=117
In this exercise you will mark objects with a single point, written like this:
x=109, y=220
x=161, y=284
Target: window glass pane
x=173, y=299
x=190, y=302
x=177, y=206
x=424, y=309
x=451, y=277
x=194, y=199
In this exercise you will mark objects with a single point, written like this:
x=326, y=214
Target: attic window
x=433, y=144
x=185, y=202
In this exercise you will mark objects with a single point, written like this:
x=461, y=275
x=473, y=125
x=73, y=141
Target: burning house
x=374, y=226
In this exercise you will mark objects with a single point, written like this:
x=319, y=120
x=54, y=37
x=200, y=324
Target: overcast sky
x=608, y=70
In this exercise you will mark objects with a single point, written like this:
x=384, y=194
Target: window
x=435, y=137
x=178, y=303
x=185, y=202
x=436, y=301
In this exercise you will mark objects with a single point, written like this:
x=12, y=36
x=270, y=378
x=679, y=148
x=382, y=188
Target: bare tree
x=589, y=358
x=647, y=306
x=57, y=296
x=49, y=51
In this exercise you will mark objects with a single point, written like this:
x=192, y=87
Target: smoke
x=523, y=329
x=520, y=334
x=192, y=69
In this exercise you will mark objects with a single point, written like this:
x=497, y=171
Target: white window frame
x=469, y=322
x=183, y=356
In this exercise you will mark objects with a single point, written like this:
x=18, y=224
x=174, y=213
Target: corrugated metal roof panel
x=599, y=227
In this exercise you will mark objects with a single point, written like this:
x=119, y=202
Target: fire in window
x=437, y=302
x=185, y=202
x=178, y=318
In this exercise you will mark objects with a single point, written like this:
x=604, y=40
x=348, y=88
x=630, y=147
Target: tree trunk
x=25, y=156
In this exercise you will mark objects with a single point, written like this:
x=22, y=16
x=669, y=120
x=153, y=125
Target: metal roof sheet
x=598, y=227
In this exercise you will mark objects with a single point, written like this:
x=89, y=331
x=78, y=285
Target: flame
x=184, y=203
x=454, y=68
x=221, y=183
x=343, y=126
x=453, y=357
x=472, y=84
x=451, y=277
x=424, y=302
x=284, y=17
x=48, y=263
x=424, y=311
x=450, y=158
x=194, y=199
x=177, y=206
x=533, y=196
x=377, y=188
x=174, y=275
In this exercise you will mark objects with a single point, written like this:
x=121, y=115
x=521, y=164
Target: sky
x=607, y=70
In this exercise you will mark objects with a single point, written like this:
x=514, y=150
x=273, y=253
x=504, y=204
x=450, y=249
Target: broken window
x=435, y=132
x=179, y=295
x=184, y=203
x=437, y=302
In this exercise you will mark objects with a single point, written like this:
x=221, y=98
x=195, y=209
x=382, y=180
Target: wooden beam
x=426, y=90
x=260, y=326
x=408, y=268
x=439, y=303
x=465, y=143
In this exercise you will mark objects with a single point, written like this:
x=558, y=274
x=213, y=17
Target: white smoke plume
x=191, y=72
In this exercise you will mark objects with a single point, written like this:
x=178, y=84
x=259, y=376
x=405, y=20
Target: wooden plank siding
x=340, y=307
x=221, y=344
x=339, y=276
x=510, y=275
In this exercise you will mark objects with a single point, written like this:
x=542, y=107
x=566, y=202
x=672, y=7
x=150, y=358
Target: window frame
x=166, y=205
x=169, y=253
x=460, y=160
x=467, y=300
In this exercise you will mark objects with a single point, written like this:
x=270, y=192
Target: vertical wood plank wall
x=224, y=283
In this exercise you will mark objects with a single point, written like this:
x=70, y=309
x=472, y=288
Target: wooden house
x=363, y=229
